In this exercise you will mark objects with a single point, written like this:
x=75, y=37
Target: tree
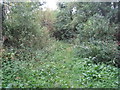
x=20, y=26
x=72, y=18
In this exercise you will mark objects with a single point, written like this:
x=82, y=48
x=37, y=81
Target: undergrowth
x=56, y=66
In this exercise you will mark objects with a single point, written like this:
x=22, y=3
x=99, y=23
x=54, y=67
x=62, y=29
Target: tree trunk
x=1, y=26
x=119, y=12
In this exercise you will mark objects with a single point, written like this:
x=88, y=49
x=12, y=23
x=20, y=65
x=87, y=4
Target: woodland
x=75, y=46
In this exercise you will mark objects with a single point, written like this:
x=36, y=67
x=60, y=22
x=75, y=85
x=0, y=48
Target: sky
x=51, y=4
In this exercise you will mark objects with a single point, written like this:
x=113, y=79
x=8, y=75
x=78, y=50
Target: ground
x=58, y=66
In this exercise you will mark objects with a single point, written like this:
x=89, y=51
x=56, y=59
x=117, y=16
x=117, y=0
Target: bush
x=24, y=29
x=98, y=51
x=97, y=27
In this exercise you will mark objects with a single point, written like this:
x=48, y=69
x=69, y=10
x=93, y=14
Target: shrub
x=98, y=51
x=23, y=26
x=97, y=27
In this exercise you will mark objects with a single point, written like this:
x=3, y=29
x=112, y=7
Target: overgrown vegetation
x=57, y=69
x=72, y=47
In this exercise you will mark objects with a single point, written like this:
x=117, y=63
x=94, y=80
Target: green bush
x=24, y=29
x=97, y=27
x=98, y=51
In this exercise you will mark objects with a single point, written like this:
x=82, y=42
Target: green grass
x=58, y=66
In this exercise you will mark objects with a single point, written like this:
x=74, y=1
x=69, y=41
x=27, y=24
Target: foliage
x=36, y=59
x=60, y=69
x=64, y=18
x=94, y=24
x=23, y=26
x=97, y=27
x=77, y=18
x=99, y=51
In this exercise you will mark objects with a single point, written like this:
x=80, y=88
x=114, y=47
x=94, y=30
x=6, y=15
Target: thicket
x=45, y=46
x=92, y=24
x=26, y=25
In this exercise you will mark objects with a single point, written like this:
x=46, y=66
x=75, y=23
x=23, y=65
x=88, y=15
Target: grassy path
x=60, y=68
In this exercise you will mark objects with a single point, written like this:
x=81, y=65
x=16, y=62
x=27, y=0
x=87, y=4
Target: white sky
x=51, y=4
